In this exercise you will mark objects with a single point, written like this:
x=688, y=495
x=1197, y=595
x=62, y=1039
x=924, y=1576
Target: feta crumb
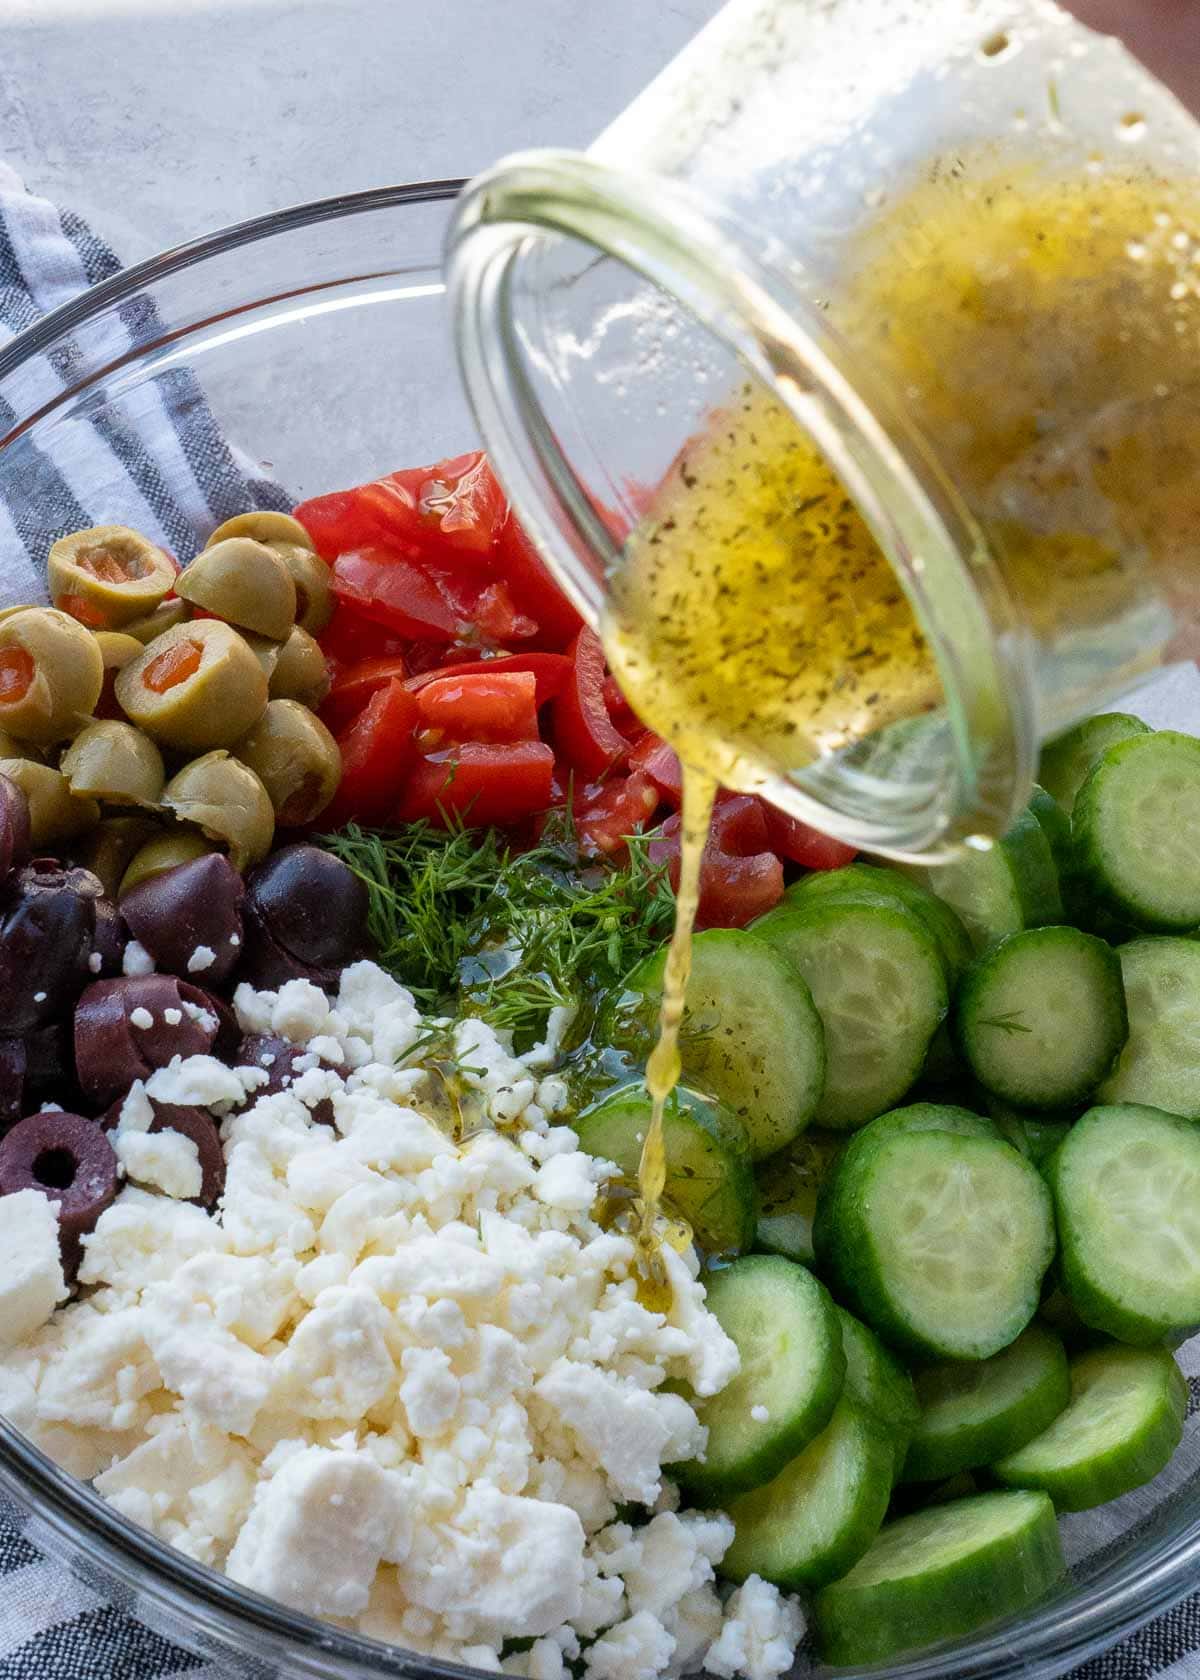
x=201, y=958
x=140, y=1017
x=760, y=1414
x=172, y=1017
x=235, y=939
x=39, y=997
x=31, y=1274
x=95, y=962
x=165, y=1161
x=761, y=1632
x=135, y=960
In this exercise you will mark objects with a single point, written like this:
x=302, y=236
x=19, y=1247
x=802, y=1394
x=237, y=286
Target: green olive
x=51, y=674
x=54, y=812
x=265, y=527
x=108, y=574
x=314, y=586
x=163, y=852
x=227, y=802
x=10, y=612
x=162, y=619
x=296, y=759
x=197, y=687
x=10, y=747
x=265, y=651
x=244, y=582
x=114, y=762
x=117, y=648
x=108, y=850
x=301, y=672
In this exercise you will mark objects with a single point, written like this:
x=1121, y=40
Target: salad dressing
x=1045, y=336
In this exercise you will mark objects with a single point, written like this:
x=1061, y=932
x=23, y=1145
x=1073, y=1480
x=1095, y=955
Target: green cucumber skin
x=865, y=882
x=737, y=1194
x=881, y=1385
x=856, y=1626
x=760, y=1546
x=779, y=1441
x=934, y=1456
x=1066, y=761
x=1091, y=1300
x=788, y=1185
x=1120, y=1470
x=1109, y=893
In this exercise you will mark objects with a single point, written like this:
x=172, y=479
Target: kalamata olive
x=277, y=1058
x=108, y=941
x=68, y=1159
x=194, y=1123
x=126, y=1028
x=12, y=1081
x=306, y=917
x=50, y=1067
x=14, y=827
x=47, y=928
x=189, y=918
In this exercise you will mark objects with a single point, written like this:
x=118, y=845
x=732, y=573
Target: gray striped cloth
x=165, y=470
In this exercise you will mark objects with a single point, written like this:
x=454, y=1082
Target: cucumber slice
x=821, y=1513
x=1123, y=1422
x=939, y=1574
x=940, y=1241
x=971, y=1413
x=1135, y=822
x=1012, y=885
x=1055, y=824
x=793, y=1368
x=710, y=1181
x=1036, y=1135
x=1040, y=1016
x=932, y=1117
x=788, y=1184
x=880, y=1384
x=861, y=881
x=1160, y=1064
x=943, y=1069
x=751, y=1036
x=1126, y=1187
x=879, y=985
x=1066, y=762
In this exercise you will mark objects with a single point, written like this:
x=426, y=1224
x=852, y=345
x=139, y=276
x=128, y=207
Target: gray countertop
x=160, y=119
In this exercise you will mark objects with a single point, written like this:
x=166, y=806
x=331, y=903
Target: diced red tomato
x=455, y=504
x=353, y=685
x=550, y=671
x=520, y=564
x=584, y=732
x=480, y=782
x=395, y=592
x=484, y=706
x=619, y=710
x=376, y=749
x=349, y=638
x=487, y=611
x=799, y=843
x=605, y=816
x=654, y=758
x=739, y=878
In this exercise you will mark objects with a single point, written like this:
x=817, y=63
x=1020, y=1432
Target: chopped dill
x=469, y=925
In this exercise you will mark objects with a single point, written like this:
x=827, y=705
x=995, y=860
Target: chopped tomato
x=376, y=751
x=654, y=758
x=395, y=592
x=481, y=783
x=488, y=611
x=550, y=671
x=353, y=685
x=349, y=638
x=739, y=877
x=619, y=710
x=799, y=843
x=483, y=706
x=605, y=816
x=454, y=504
x=583, y=730
x=520, y=564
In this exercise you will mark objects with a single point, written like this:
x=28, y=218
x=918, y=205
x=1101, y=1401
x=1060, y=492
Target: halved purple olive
x=126, y=1028
x=194, y=1123
x=277, y=1058
x=306, y=918
x=69, y=1160
x=189, y=917
x=47, y=928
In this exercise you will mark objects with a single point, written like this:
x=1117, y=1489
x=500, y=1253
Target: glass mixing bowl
x=318, y=339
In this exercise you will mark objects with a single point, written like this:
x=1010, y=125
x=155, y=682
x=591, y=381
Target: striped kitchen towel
x=159, y=464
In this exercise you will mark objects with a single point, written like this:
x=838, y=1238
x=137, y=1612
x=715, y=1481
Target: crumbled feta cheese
x=135, y=960
x=140, y=1017
x=31, y=1274
x=172, y=1017
x=95, y=962
x=393, y=1380
x=201, y=958
x=39, y=997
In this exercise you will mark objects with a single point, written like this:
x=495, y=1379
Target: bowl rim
x=1125, y=1594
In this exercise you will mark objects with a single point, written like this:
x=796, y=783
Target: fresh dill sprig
x=468, y=924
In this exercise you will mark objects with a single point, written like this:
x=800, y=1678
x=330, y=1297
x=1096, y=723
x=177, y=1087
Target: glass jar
x=858, y=291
